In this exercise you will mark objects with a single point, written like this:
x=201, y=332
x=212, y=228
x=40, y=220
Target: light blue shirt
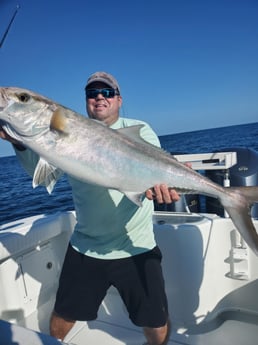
x=109, y=225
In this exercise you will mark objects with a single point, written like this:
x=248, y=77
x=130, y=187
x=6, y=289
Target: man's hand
x=162, y=194
x=5, y=136
x=16, y=143
x=2, y=133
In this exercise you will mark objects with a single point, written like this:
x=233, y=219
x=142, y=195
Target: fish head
x=23, y=113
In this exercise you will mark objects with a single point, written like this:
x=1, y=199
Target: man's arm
x=26, y=157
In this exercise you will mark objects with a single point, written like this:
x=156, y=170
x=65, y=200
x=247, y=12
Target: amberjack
x=88, y=150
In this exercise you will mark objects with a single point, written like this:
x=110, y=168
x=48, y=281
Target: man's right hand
x=5, y=136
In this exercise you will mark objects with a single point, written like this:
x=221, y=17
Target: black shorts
x=84, y=282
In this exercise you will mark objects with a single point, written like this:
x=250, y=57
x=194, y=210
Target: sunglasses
x=107, y=93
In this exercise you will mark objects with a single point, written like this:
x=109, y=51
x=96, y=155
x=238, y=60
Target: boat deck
x=211, y=284
x=230, y=332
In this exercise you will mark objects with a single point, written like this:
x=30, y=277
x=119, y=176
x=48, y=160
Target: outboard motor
x=244, y=173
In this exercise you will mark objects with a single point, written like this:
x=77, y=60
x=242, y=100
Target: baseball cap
x=104, y=78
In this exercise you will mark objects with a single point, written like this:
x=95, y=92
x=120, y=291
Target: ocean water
x=18, y=199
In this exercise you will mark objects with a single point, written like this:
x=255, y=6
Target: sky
x=182, y=65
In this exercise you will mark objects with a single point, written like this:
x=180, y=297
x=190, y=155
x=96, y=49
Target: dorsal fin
x=58, y=121
x=133, y=132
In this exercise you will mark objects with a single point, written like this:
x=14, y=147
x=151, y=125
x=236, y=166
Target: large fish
x=119, y=159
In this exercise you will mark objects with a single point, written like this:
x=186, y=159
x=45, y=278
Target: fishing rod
x=9, y=26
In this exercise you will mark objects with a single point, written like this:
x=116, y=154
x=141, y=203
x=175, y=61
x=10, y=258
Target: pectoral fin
x=46, y=174
x=59, y=122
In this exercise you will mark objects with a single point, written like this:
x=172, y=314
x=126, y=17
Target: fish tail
x=237, y=202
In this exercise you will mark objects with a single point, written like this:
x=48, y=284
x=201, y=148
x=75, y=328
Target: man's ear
x=120, y=100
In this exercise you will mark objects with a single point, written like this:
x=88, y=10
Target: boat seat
x=18, y=235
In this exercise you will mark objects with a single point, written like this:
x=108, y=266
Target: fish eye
x=24, y=97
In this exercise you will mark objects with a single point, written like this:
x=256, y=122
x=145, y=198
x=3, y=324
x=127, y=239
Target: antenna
x=9, y=26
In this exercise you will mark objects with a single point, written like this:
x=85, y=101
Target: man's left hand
x=162, y=194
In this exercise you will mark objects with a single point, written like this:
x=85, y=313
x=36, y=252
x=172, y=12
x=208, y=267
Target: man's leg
x=59, y=327
x=139, y=280
x=157, y=336
x=82, y=287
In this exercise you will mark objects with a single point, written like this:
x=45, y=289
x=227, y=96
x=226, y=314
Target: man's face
x=101, y=108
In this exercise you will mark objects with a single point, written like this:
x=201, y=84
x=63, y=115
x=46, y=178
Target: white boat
x=211, y=279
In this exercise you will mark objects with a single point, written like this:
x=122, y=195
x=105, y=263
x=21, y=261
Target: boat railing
x=209, y=161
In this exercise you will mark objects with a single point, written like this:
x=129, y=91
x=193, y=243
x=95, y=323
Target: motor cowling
x=244, y=173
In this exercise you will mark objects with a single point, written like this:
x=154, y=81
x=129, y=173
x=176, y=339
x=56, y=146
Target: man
x=113, y=241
